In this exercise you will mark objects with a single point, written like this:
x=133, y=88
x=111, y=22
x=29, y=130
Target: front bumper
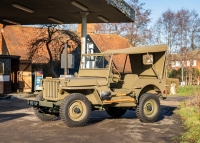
x=36, y=103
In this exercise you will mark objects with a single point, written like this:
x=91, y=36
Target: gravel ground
x=19, y=125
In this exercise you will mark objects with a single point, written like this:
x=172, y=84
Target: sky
x=159, y=6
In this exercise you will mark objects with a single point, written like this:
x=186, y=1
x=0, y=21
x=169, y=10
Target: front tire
x=41, y=113
x=149, y=108
x=75, y=110
x=115, y=112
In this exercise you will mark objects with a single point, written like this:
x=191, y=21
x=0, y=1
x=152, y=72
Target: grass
x=190, y=114
x=188, y=90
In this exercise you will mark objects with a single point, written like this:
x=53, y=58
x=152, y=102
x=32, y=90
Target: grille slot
x=51, y=89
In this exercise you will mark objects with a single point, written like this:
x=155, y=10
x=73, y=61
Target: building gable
x=104, y=42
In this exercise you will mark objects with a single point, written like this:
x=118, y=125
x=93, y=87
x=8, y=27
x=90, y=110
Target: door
x=25, y=76
x=25, y=81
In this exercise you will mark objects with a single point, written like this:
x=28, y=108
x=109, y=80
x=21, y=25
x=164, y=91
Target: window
x=1, y=67
x=178, y=63
x=5, y=66
x=194, y=63
x=188, y=63
x=147, y=59
x=173, y=63
x=95, y=62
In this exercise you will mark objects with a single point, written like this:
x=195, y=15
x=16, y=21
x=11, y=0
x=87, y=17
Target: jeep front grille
x=50, y=89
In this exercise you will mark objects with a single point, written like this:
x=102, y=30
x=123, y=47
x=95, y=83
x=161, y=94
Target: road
x=19, y=125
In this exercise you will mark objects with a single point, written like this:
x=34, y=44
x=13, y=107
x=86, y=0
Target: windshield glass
x=95, y=62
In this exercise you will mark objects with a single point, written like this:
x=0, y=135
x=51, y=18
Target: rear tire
x=115, y=112
x=149, y=108
x=137, y=111
x=75, y=110
x=40, y=112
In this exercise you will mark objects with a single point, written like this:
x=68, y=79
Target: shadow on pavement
x=8, y=117
x=166, y=111
x=99, y=116
x=13, y=104
x=96, y=116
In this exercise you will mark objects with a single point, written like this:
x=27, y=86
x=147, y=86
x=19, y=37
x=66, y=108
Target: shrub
x=190, y=114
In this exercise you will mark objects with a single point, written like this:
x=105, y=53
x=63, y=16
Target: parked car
x=99, y=85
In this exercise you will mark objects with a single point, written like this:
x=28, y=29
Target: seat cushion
x=129, y=80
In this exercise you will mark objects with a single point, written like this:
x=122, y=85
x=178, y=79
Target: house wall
x=77, y=59
x=89, y=39
x=1, y=36
x=198, y=65
x=190, y=77
x=57, y=69
x=14, y=74
x=5, y=83
x=9, y=81
x=177, y=64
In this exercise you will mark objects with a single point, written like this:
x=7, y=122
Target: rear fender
x=149, y=89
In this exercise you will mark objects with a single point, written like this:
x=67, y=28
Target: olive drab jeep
x=106, y=81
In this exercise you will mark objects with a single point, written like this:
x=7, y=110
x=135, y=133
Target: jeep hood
x=85, y=81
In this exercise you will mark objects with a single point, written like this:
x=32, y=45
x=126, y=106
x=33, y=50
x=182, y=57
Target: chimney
x=1, y=38
x=90, y=28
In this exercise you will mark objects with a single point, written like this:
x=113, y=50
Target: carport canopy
x=64, y=11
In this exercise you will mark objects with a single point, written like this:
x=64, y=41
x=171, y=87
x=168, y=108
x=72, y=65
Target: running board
x=119, y=100
x=124, y=94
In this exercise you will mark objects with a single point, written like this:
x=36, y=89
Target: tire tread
x=63, y=109
x=41, y=116
x=139, y=107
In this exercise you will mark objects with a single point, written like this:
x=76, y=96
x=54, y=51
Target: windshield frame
x=83, y=57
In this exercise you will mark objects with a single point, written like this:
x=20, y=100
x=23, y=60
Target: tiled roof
x=109, y=41
x=106, y=42
x=18, y=39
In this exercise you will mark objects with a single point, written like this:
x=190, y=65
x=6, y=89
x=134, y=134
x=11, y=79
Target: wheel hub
x=77, y=110
x=149, y=108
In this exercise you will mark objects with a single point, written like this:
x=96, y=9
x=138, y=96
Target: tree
x=136, y=32
x=194, y=30
x=167, y=23
x=180, y=30
x=177, y=29
x=164, y=32
x=183, y=17
x=52, y=38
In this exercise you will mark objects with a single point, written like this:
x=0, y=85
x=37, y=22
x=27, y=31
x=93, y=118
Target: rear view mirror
x=147, y=59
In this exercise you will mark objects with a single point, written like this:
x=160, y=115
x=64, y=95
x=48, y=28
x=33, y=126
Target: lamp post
x=182, y=72
x=66, y=59
x=83, y=35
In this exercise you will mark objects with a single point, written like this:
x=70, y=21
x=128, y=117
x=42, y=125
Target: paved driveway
x=19, y=125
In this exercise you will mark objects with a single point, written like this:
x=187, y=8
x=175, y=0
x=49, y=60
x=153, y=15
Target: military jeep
x=114, y=81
